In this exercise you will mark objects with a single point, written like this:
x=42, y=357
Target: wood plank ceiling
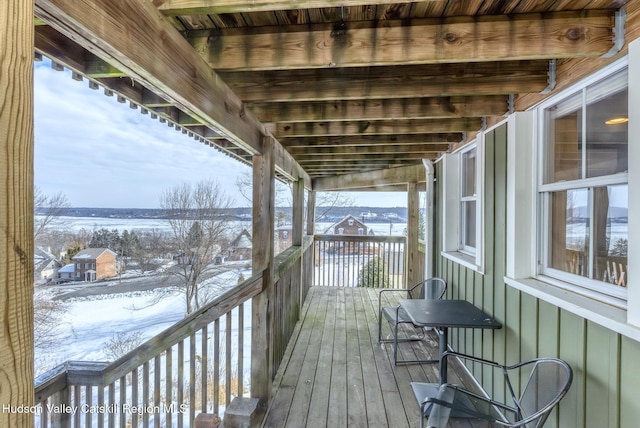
x=364, y=85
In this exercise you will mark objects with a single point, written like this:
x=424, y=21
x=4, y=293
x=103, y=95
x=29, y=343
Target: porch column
x=262, y=258
x=298, y=213
x=16, y=211
x=308, y=267
x=412, y=257
x=311, y=213
x=297, y=219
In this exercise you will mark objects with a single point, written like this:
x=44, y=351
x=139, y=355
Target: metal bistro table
x=445, y=314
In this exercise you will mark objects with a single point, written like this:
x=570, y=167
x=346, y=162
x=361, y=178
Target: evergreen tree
x=374, y=274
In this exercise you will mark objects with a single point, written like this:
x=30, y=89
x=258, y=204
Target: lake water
x=141, y=224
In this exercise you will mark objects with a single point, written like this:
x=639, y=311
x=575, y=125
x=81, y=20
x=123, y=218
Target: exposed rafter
x=205, y=7
x=436, y=80
x=455, y=40
x=408, y=108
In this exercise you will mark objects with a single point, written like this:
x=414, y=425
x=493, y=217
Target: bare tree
x=48, y=314
x=197, y=217
x=283, y=191
x=48, y=209
x=152, y=249
x=325, y=201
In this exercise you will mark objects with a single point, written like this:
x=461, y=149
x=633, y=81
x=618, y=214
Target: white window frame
x=522, y=269
x=462, y=247
x=452, y=231
x=588, y=184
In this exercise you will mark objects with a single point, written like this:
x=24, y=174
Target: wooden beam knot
x=576, y=34
x=450, y=37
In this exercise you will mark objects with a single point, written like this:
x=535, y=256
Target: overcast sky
x=101, y=153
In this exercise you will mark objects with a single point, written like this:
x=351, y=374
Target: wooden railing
x=354, y=260
x=195, y=366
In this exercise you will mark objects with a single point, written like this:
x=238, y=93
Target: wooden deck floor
x=336, y=374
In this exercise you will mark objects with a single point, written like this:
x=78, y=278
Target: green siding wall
x=606, y=365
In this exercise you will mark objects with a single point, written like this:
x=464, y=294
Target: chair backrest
x=544, y=382
x=433, y=288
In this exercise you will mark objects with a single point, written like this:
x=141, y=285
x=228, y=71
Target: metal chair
x=543, y=382
x=431, y=288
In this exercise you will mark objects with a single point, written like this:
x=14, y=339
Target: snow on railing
x=195, y=366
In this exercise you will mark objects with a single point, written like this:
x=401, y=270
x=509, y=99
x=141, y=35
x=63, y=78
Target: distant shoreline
x=371, y=214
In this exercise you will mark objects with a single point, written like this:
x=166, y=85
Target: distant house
x=92, y=264
x=241, y=247
x=67, y=273
x=348, y=226
x=45, y=265
x=283, y=238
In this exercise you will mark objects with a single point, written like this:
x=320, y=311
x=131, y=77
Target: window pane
x=610, y=234
x=607, y=134
x=569, y=240
x=564, y=143
x=469, y=224
x=468, y=187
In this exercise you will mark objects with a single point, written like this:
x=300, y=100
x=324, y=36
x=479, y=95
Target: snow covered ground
x=89, y=323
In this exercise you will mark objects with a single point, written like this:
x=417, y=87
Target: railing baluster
x=240, y=392
x=112, y=399
x=205, y=368
x=157, y=373
x=192, y=378
x=122, y=416
x=227, y=389
x=145, y=393
x=88, y=419
x=76, y=403
x=134, y=396
x=180, y=382
x=168, y=381
x=100, y=416
x=216, y=366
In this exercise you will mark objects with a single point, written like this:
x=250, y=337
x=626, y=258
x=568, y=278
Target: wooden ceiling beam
x=342, y=157
x=568, y=34
x=391, y=176
x=215, y=7
x=304, y=152
x=380, y=127
x=439, y=80
x=371, y=140
x=408, y=108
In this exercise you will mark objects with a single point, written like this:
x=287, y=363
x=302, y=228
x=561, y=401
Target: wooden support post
x=298, y=212
x=311, y=213
x=297, y=238
x=262, y=259
x=412, y=262
x=16, y=212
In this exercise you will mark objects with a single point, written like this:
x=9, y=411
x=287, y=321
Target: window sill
x=463, y=259
x=609, y=315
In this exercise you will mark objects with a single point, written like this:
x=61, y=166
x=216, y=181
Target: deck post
x=262, y=259
x=311, y=213
x=297, y=219
x=308, y=268
x=412, y=256
x=298, y=212
x=16, y=212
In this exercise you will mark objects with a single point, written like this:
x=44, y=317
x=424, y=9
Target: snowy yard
x=89, y=323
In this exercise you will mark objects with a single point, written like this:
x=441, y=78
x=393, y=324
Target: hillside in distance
x=369, y=214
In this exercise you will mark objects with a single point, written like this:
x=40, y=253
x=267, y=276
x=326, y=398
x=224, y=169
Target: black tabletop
x=447, y=313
